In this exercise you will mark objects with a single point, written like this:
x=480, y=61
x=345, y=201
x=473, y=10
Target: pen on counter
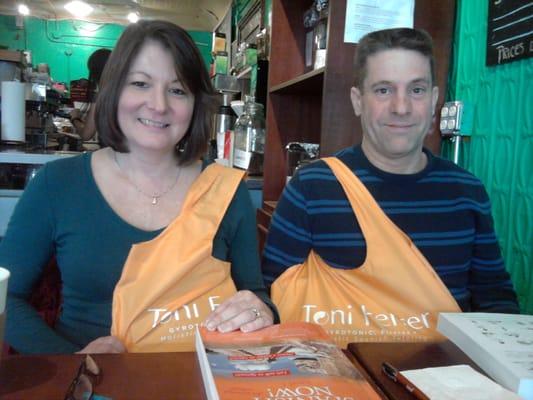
x=396, y=376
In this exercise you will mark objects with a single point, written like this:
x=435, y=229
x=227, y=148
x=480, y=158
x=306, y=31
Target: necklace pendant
x=154, y=201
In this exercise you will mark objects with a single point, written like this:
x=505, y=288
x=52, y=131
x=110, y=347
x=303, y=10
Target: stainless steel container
x=224, y=122
x=225, y=117
x=9, y=71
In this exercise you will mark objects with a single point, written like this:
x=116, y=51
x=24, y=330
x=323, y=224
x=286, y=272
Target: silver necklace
x=156, y=196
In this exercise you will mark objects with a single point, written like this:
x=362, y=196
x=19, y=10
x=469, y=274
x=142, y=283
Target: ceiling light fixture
x=133, y=17
x=23, y=9
x=78, y=8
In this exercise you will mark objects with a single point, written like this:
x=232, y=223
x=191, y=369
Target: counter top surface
x=30, y=155
x=124, y=376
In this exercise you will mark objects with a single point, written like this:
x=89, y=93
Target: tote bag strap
x=371, y=218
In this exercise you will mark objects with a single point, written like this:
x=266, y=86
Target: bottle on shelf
x=249, y=142
x=224, y=123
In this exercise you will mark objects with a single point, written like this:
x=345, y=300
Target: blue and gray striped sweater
x=444, y=209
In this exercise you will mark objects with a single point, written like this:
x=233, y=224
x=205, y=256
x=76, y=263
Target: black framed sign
x=509, y=31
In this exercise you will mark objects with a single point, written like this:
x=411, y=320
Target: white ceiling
x=200, y=15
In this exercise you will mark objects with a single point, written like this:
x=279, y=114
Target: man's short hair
x=389, y=39
x=190, y=69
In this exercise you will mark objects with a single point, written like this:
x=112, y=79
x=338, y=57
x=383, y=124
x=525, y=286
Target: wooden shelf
x=314, y=106
x=270, y=206
x=264, y=216
x=310, y=82
x=306, y=105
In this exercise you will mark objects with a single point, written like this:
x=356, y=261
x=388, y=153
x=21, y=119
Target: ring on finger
x=256, y=312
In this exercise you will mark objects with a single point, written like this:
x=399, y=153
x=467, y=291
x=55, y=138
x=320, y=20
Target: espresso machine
x=39, y=123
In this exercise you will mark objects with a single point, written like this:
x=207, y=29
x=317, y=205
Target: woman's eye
x=139, y=84
x=177, y=91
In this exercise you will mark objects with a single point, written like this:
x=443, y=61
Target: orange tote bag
x=171, y=283
x=394, y=296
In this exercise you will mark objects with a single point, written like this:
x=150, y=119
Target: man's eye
x=382, y=90
x=419, y=90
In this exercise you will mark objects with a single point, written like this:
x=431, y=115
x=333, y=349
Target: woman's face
x=154, y=108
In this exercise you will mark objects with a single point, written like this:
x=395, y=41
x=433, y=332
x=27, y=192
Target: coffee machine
x=41, y=105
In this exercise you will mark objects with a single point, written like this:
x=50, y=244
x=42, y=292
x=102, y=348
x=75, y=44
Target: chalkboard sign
x=510, y=31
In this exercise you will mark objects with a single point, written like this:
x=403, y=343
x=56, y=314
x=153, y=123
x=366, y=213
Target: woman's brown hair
x=190, y=69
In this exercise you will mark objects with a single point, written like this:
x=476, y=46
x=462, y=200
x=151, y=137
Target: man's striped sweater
x=444, y=209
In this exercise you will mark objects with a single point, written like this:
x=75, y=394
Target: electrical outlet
x=456, y=118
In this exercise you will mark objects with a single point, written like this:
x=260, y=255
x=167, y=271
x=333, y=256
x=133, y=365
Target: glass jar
x=241, y=57
x=262, y=45
x=250, y=138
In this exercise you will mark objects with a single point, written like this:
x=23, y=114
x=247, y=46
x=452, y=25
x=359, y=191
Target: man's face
x=396, y=105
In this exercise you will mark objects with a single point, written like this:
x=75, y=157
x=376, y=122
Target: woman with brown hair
x=150, y=240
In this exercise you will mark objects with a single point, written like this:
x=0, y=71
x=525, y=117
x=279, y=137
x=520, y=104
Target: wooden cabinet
x=264, y=215
x=314, y=105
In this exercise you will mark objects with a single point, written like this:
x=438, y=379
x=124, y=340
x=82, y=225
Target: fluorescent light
x=133, y=17
x=78, y=8
x=23, y=9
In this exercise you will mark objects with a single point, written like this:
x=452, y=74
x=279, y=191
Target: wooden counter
x=124, y=376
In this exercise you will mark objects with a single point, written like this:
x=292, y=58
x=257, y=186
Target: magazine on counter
x=286, y=361
x=501, y=344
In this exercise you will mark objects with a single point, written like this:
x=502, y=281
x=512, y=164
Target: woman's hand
x=244, y=311
x=104, y=344
x=75, y=114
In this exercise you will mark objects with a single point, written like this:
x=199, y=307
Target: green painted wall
x=204, y=41
x=66, y=45
x=500, y=151
x=267, y=18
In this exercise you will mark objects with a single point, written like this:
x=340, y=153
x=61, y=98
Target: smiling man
x=442, y=211
x=396, y=102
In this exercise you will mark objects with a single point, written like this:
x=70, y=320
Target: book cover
x=501, y=344
x=282, y=362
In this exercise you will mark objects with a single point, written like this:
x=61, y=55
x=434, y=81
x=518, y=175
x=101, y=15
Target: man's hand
x=104, y=344
x=244, y=311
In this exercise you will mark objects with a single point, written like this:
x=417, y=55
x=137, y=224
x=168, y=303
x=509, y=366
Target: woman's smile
x=152, y=123
x=155, y=108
